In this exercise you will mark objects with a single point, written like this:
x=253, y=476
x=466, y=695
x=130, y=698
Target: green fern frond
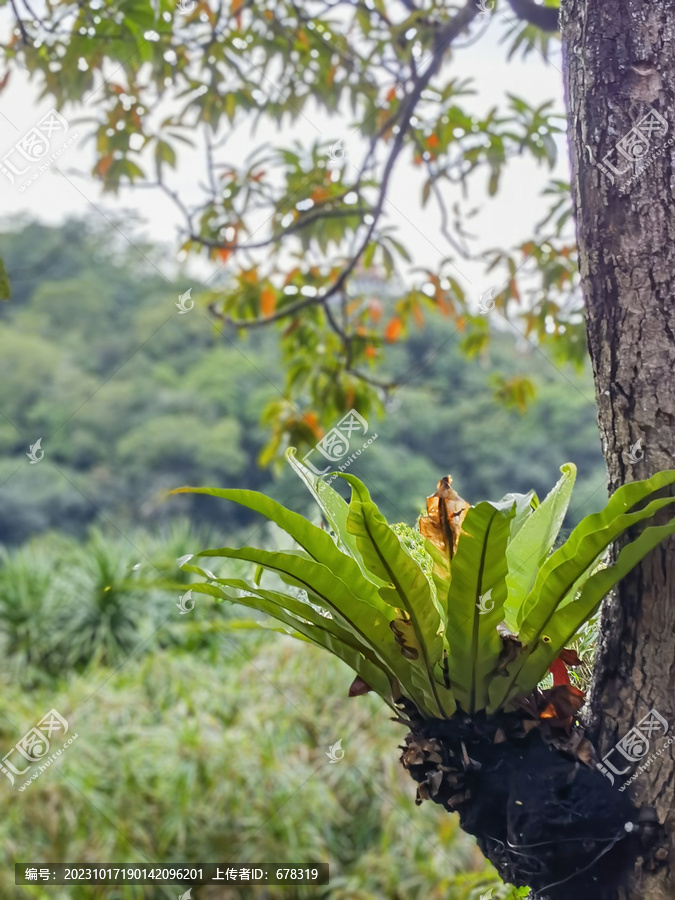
x=470, y=621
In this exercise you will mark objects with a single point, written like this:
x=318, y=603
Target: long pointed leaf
x=562, y=573
x=529, y=548
x=369, y=617
x=475, y=602
x=372, y=673
x=299, y=609
x=407, y=586
x=333, y=506
x=569, y=618
x=313, y=540
x=525, y=506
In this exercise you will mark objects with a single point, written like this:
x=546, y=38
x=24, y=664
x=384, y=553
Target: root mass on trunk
x=544, y=818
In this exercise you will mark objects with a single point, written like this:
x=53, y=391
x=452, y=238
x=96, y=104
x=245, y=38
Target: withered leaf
x=442, y=524
x=359, y=687
x=434, y=779
x=429, y=746
x=511, y=647
x=566, y=699
x=405, y=636
x=559, y=671
x=586, y=752
x=570, y=657
x=456, y=799
x=413, y=756
x=422, y=794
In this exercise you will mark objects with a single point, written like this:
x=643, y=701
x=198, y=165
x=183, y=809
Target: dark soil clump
x=543, y=818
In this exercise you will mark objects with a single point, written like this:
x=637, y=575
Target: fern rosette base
x=543, y=818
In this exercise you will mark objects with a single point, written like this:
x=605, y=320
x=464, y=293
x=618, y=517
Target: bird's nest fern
x=467, y=614
x=455, y=625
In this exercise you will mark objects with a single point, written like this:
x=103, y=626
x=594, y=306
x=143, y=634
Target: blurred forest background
x=186, y=752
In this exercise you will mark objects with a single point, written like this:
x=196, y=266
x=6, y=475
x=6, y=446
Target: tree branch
x=19, y=22
x=291, y=229
x=544, y=17
x=443, y=40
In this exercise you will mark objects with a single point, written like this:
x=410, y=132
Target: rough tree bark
x=619, y=58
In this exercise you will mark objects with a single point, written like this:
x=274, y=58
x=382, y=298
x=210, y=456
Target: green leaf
x=571, y=616
x=531, y=545
x=4, y=282
x=568, y=568
x=302, y=618
x=407, y=587
x=525, y=504
x=475, y=601
x=367, y=618
x=317, y=542
x=593, y=535
x=334, y=508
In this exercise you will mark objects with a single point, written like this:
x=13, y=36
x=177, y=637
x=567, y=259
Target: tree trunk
x=619, y=59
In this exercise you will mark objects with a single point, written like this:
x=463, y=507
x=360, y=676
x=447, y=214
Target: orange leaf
x=419, y=315
x=443, y=305
x=349, y=399
x=224, y=253
x=559, y=671
x=393, y=330
x=375, y=310
x=371, y=352
x=319, y=193
x=312, y=422
x=391, y=93
x=103, y=165
x=268, y=301
x=432, y=140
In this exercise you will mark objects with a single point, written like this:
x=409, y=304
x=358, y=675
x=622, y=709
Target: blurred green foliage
x=131, y=399
x=297, y=219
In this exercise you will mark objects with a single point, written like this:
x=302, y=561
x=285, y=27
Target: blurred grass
x=205, y=745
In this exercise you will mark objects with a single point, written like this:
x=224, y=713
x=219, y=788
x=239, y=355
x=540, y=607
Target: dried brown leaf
x=442, y=524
